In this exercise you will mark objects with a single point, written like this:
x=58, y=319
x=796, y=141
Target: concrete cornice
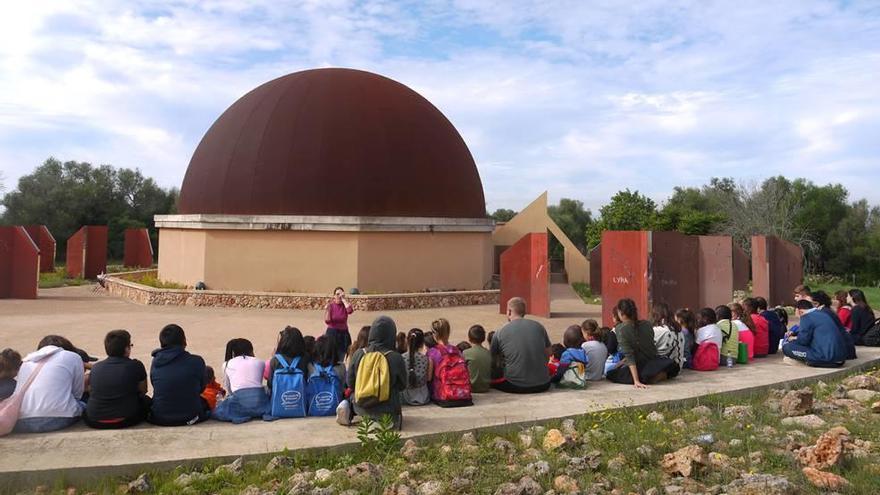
x=324, y=223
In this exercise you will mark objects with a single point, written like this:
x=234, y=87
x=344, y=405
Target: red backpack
x=707, y=357
x=452, y=387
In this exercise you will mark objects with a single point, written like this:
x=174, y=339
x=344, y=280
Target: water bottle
x=729, y=362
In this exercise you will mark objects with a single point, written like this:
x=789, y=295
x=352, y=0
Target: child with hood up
x=382, y=339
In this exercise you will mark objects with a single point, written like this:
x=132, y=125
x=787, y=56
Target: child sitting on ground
x=463, y=346
x=596, y=351
x=573, y=355
x=479, y=360
x=213, y=390
x=687, y=321
x=401, y=342
x=10, y=362
x=419, y=370
x=729, y=335
x=556, y=351
x=709, y=340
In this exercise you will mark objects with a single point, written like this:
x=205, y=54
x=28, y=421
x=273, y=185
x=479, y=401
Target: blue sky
x=580, y=98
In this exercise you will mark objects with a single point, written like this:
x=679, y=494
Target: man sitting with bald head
x=523, y=346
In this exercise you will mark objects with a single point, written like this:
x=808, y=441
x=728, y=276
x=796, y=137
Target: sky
x=579, y=98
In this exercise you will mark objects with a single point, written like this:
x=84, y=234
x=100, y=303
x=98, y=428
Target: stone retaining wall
x=119, y=284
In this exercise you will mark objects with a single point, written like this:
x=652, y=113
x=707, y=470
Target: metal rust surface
x=716, y=270
x=46, y=242
x=138, y=250
x=596, y=270
x=525, y=272
x=625, y=270
x=777, y=267
x=19, y=264
x=87, y=252
x=333, y=142
x=675, y=276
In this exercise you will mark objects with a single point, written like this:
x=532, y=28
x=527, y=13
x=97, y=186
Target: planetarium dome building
x=329, y=177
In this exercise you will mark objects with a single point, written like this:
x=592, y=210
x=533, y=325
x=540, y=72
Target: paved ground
x=80, y=453
x=85, y=317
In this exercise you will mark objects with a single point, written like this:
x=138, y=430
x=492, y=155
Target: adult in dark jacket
x=383, y=333
x=818, y=341
x=824, y=303
x=862, y=315
x=178, y=379
x=640, y=364
x=776, y=329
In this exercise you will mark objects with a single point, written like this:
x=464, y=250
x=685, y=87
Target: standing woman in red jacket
x=762, y=327
x=336, y=317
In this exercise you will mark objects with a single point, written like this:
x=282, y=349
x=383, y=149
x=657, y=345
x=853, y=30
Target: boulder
x=797, y=402
x=655, y=417
x=323, y=474
x=866, y=382
x=364, y=472
x=824, y=479
x=277, y=462
x=140, y=485
x=828, y=450
x=565, y=484
x=528, y=486
x=685, y=461
x=703, y=411
x=875, y=407
x=233, y=467
x=430, y=488
x=862, y=395
x=555, y=440
x=738, y=412
x=538, y=468
x=808, y=421
x=760, y=484
x=504, y=446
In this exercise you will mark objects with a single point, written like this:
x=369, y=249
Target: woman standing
x=862, y=315
x=336, y=317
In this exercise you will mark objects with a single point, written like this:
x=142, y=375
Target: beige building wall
x=415, y=261
x=534, y=219
x=182, y=256
x=317, y=261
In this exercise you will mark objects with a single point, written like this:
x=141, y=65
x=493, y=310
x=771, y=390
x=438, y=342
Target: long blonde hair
x=441, y=330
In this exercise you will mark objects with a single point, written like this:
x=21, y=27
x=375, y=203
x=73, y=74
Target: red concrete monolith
x=45, y=241
x=525, y=272
x=138, y=249
x=777, y=267
x=596, y=270
x=19, y=264
x=87, y=252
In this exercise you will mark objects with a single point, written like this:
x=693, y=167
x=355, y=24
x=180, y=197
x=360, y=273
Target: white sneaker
x=343, y=413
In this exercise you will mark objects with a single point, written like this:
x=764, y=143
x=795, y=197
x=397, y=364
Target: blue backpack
x=322, y=391
x=288, y=390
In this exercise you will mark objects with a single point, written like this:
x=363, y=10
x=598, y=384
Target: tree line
x=65, y=196
x=839, y=236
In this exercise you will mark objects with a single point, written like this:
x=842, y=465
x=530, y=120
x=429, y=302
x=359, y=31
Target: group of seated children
x=384, y=369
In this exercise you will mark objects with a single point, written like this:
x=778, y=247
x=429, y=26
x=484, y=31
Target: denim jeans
x=243, y=405
x=42, y=425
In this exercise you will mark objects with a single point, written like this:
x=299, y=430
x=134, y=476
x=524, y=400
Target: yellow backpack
x=373, y=380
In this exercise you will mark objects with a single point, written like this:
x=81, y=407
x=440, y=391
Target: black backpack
x=871, y=338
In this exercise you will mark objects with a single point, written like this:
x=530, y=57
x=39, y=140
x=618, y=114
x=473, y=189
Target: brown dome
x=333, y=142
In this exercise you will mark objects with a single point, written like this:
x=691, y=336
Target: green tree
x=626, y=211
x=691, y=211
x=65, y=196
x=573, y=220
x=502, y=215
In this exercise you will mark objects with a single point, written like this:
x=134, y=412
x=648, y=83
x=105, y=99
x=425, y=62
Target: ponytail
x=415, y=340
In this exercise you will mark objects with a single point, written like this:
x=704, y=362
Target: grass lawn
x=872, y=293
x=622, y=451
x=58, y=278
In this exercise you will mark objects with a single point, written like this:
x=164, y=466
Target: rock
x=808, y=421
x=797, y=402
x=470, y=449
x=470, y=472
x=233, y=467
x=398, y=489
x=594, y=459
x=532, y=453
x=760, y=484
x=673, y=489
x=565, y=484
x=508, y=489
x=768, y=431
x=645, y=451
x=503, y=446
x=866, y=382
x=555, y=440
x=323, y=475
x=702, y=423
x=279, y=461
x=823, y=479
x=327, y=490
x=828, y=450
x=862, y=395
x=364, y=472
x=735, y=442
x=410, y=450
x=858, y=448
x=526, y=440
x=346, y=492
x=430, y=488
x=539, y=468
x=70, y=491
x=652, y=491
x=617, y=463
x=705, y=439
x=568, y=427
x=469, y=438
x=684, y=461
x=186, y=479
x=738, y=412
x=756, y=457
x=528, y=486
x=703, y=411
x=719, y=460
x=140, y=485
x=445, y=450
x=460, y=484
x=679, y=423
x=655, y=417
x=875, y=407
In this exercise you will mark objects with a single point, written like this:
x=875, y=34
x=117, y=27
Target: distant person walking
x=336, y=317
